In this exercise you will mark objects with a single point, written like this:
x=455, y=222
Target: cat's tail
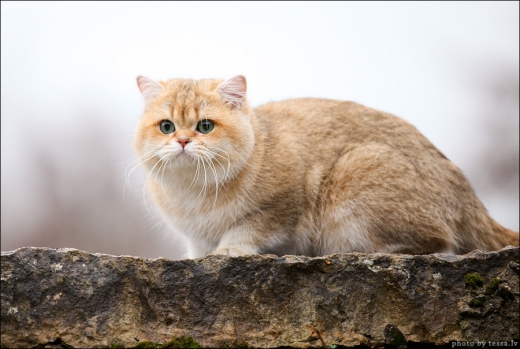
x=505, y=236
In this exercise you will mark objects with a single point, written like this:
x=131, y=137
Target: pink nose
x=183, y=141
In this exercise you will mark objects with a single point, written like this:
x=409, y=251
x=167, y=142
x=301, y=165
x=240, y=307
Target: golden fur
x=303, y=176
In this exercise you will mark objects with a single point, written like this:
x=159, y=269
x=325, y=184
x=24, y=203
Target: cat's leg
x=264, y=232
x=196, y=249
x=239, y=241
x=376, y=200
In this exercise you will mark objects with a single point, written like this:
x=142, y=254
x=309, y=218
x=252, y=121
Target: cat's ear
x=149, y=88
x=233, y=91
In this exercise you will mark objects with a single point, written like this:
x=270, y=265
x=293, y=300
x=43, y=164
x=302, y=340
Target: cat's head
x=194, y=130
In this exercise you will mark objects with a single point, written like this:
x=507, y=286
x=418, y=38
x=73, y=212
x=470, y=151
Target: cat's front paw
x=232, y=251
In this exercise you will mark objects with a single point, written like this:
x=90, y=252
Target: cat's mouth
x=182, y=156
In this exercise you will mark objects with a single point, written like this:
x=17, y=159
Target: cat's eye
x=167, y=126
x=205, y=126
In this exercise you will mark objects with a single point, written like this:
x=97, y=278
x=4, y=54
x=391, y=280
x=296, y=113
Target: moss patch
x=493, y=285
x=474, y=281
x=182, y=342
x=146, y=344
x=233, y=344
x=477, y=302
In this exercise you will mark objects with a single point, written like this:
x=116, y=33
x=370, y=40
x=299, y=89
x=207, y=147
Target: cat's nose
x=183, y=141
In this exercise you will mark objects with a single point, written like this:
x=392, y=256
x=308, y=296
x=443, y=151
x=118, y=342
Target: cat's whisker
x=156, y=174
x=199, y=161
x=194, y=179
x=132, y=159
x=162, y=180
x=129, y=173
x=144, y=185
x=213, y=169
x=217, y=184
x=127, y=177
x=224, y=157
x=203, y=189
x=196, y=175
x=226, y=171
x=139, y=161
x=218, y=149
x=163, y=167
x=205, y=177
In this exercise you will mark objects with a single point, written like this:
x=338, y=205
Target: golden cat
x=303, y=176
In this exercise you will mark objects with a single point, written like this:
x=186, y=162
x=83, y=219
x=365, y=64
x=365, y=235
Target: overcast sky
x=68, y=69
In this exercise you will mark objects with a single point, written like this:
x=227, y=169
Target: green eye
x=167, y=126
x=205, y=126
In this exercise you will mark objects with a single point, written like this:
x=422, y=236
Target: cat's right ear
x=233, y=91
x=149, y=88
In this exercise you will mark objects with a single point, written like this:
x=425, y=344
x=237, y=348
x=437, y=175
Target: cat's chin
x=184, y=159
x=178, y=157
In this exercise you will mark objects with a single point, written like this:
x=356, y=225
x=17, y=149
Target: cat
x=301, y=177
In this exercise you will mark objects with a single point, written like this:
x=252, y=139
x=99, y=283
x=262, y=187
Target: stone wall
x=66, y=297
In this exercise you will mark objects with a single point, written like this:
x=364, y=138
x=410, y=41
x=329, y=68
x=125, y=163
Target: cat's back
x=322, y=114
x=303, y=110
x=327, y=125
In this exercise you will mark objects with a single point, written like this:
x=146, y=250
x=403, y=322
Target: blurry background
x=70, y=102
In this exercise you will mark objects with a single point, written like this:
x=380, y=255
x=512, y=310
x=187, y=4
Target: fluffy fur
x=303, y=176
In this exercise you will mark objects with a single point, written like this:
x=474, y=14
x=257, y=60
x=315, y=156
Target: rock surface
x=79, y=299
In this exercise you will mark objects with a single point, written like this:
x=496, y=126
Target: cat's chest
x=207, y=219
